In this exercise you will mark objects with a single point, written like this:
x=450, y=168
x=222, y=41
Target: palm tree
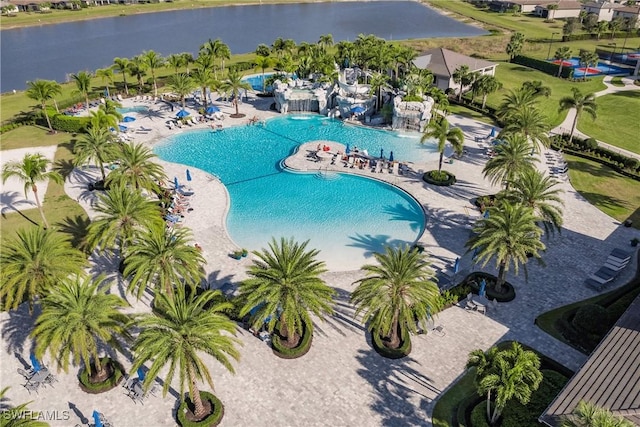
x=95, y=146
x=216, y=49
x=460, y=75
x=552, y=8
x=509, y=235
x=263, y=62
x=17, y=416
x=182, y=84
x=137, y=168
x=105, y=74
x=100, y=119
x=78, y=318
x=138, y=69
x=33, y=262
x=510, y=373
x=582, y=103
x=396, y=292
x=203, y=78
x=163, y=259
x=42, y=91
x=378, y=81
x=601, y=27
x=614, y=26
x=515, y=100
x=122, y=64
x=588, y=58
x=153, y=61
x=513, y=157
x=562, y=54
x=535, y=190
x=515, y=45
x=180, y=328
x=530, y=122
x=440, y=130
x=233, y=85
x=111, y=107
x=175, y=61
x=123, y=215
x=286, y=287
x=485, y=85
x=31, y=170
x=83, y=85
x=587, y=414
x=325, y=42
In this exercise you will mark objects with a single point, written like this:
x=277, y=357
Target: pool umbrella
x=357, y=110
x=96, y=419
x=188, y=175
x=141, y=375
x=128, y=119
x=175, y=182
x=122, y=128
x=182, y=113
x=492, y=133
x=483, y=285
x=35, y=363
x=212, y=109
x=382, y=153
x=486, y=213
x=391, y=156
x=347, y=150
x=456, y=265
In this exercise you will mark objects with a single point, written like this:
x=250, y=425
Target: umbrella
x=188, y=175
x=358, y=110
x=35, y=363
x=347, y=150
x=128, y=119
x=96, y=419
x=141, y=375
x=382, y=153
x=175, y=182
x=122, y=128
x=492, y=133
x=391, y=156
x=486, y=213
x=483, y=285
x=182, y=113
x=212, y=109
x=456, y=265
x=475, y=254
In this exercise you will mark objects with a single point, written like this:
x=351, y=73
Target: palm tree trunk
x=394, y=338
x=264, y=86
x=460, y=95
x=55, y=103
x=502, y=272
x=488, y=404
x=484, y=100
x=573, y=126
x=101, y=165
x=204, y=98
x=198, y=407
x=86, y=100
x=124, y=80
x=34, y=188
x=235, y=101
x=440, y=162
x=496, y=414
x=155, y=83
x=44, y=110
x=560, y=68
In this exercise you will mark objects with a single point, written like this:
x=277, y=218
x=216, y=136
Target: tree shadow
x=153, y=114
x=215, y=279
x=13, y=201
x=64, y=167
x=16, y=329
x=460, y=190
x=76, y=228
x=401, y=212
x=79, y=414
x=374, y=244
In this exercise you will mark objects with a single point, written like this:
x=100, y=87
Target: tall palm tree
x=175, y=61
x=95, y=146
x=263, y=62
x=203, y=78
x=460, y=75
x=378, y=81
x=537, y=191
x=285, y=286
x=153, y=62
x=530, y=122
x=515, y=45
x=216, y=49
x=510, y=373
x=396, y=292
x=78, y=317
x=162, y=259
x=587, y=414
x=509, y=235
x=513, y=157
x=180, y=328
x=485, y=85
x=515, y=100
x=182, y=84
x=100, y=119
x=137, y=68
x=440, y=130
x=33, y=262
x=582, y=103
x=325, y=42
x=105, y=74
x=233, y=85
x=122, y=64
x=562, y=54
x=601, y=27
x=111, y=107
x=83, y=85
x=137, y=168
x=31, y=171
x=588, y=58
x=42, y=91
x=123, y=214
x=17, y=416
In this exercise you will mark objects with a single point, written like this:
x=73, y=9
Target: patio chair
x=612, y=265
x=31, y=387
x=598, y=286
x=26, y=374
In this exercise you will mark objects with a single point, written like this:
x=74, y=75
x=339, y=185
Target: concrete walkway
x=567, y=124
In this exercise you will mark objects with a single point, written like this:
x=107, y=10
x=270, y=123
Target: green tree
x=582, y=103
x=153, y=61
x=137, y=168
x=485, y=85
x=31, y=171
x=537, y=87
x=123, y=215
x=587, y=414
x=439, y=129
x=175, y=61
x=601, y=28
x=106, y=75
x=181, y=327
x=537, y=191
x=137, y=68
x=325, y=42
x=100, y=119
x=396, y=293
x=513, y=157
x=263, y=62
x=182, y=84
x=571, y=25
x=122, y=64
x=216, y=49
x=96, y=146
x=515, y=100
x=377, y=83
x=33, y=262
x=78, y=318
x=515, y=45
x=263, y=50
x=233, y=85
x=43, y=91
x=509, y=235
x=460, y=75
x=552, y=11
x=83, y=85
x=530, y=122
x=510, y=373
x=203, y=78
x=588, y=58
x=286, y=287
x=163, y=259
x=615, y=25
x=21, y=415
x=562, y=54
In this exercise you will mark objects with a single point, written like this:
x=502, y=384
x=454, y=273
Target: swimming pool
x=347, y=217
x=135, y=109
x=256, y=81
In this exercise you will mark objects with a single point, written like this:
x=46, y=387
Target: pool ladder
x=326, y=175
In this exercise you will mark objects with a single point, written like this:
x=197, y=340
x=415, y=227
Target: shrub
x=211, y=420
x=591, y=318
x=479, y=415
x=447, y=299
x=541, y=65
x=412, y=98
x=392, y=353
x=108, y=384
x=280, y=350
x=474, y=279
x=590, y=143
x=70, y=124
x=440, y=178
x=463, y=413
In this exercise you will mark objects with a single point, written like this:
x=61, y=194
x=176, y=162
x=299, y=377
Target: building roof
x=605, y=5
x=562, y=4
x=610, y=378
x=443, y=62
x=629, y=9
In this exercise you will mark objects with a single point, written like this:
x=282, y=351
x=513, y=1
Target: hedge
x=108, y=384
x=479, y=415
x=392, y=353
x=71, y=124
x=463, y=418
x=430, y=178
x=590, y=36
x=303, y=347
x=541, y=65
x=209, y=421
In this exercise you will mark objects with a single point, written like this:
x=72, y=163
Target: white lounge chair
x=395, y=168
x=379, y=166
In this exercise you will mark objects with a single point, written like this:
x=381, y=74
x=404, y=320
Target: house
x=566, y=9
x=610, y=378
x=604, y=10
x=524, y=6
x=443, y=63
x=10, y=8
x=628, y=12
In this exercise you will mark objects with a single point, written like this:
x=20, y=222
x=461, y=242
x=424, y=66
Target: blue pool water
x=346, y=217
x=256, y=81
x=599, y=70
x=136, y=109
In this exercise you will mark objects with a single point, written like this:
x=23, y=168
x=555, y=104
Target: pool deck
x=341, y=381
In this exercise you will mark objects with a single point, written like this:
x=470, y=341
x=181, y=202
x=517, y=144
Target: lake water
x=54, y=51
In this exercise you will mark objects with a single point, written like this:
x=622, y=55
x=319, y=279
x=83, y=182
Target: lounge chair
x=600, y=279
x=620, y=254
x=395, y=167
x=595, y=284
x=611, y=265
x=379, y=166
x=606, y=273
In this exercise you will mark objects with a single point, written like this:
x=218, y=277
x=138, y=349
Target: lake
x=54, y=51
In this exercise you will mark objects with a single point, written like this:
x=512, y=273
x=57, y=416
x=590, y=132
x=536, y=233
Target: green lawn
x=448, y=402
x=618, y=121
x=466, y=112
x=617, y=81
x=31, y=136
x=612, y=193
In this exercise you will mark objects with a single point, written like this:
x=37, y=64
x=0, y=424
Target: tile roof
x=443, y=62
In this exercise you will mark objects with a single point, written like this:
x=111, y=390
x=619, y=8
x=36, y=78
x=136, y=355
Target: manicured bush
x=580, y=339
x=479, y=415
x=392, y=353
x=440, y=178
x=463, y=413
x=541, y=65
x=108, y=384
x=616, y=309
x=209, y=421
x=591, y=318
x=70, y=124
x=284, y=352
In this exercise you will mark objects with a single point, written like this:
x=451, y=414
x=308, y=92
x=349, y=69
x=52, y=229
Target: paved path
x=567, y=124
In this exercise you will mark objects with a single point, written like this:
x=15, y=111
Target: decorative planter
x=115, y=378
x=474, y=279
x=280, y=350
x=392, y=353
x=213, y=419
x=447, y=180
